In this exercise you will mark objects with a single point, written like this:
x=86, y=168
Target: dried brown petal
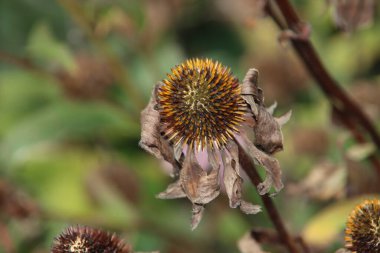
x=270, y=164
x=284, y=118
x=151, y=139
x=250, y=91
x=174, y=191
x=249, y=208
x=199, y=186
x=271, y=108
x=232, y=180
x=197, y=214
x=247, y=244
x=268, y=135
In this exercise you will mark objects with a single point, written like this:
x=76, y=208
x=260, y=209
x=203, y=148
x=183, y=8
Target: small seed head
x=363, y=228
x=200, y=104
x=88, y=240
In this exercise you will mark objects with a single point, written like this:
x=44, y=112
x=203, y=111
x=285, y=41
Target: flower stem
x=249, y=167
x=338, y=98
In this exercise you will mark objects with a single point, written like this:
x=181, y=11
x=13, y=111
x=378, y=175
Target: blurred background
x=74, y=76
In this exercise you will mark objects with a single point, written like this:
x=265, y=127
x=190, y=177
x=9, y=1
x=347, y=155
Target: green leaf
x=62, y=121
x=44, y=47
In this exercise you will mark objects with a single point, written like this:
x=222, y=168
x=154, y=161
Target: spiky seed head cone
x=88, y=240
x=363, y=228
x=200, y=104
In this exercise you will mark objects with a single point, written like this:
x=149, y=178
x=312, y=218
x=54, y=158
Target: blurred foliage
x=58, y=148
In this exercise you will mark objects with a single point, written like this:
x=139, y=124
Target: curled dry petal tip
x=197, y=213
x=250, y=91
x=174, y=191
x=284, y=118
x=249, y=208
x=271, y=108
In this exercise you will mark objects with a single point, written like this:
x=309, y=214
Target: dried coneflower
x=79, y=239
x=363, y=228
x=202, y=112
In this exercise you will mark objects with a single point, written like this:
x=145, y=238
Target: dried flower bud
x=363, y=228
x=202, y=112
x=88, y=240
x=352, y=14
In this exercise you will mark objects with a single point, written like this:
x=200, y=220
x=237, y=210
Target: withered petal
x=197, y=214
x=249, y=208
x=173, y=191
x=267, y=131
x=199, y=186
x=282, y=120
x=213, y=159
x=231, y=178
x=272, y=107
x=250, y=91
x=271, y=165
x=151, y=140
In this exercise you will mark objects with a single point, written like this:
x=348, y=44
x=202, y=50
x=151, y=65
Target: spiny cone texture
x=363, y=228
x=200, y=104
x=88, y=240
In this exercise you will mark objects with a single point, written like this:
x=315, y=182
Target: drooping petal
x=174, y=191
x=250, y=91
x=271, y=165
x=197, y=213
x=268, y=134
x=200, y=187
x=151, y=139
x=232, y=180
x=249, y=208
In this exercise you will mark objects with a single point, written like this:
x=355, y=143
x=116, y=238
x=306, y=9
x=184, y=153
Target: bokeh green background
x=69, y=155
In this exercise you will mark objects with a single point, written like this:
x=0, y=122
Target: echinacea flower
x=79, y=239
x=202, y=112
x=363, y=228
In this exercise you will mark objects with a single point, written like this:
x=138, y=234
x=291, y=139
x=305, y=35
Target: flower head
x=363, y=228
x=202, y=112
x=88, y=240
x=200, y=104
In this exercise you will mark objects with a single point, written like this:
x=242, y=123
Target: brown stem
x=249, y=167
x=337, y=96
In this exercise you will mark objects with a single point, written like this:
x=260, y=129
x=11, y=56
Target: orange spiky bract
x=363, y=228
x=200, y=104
x=79, y=239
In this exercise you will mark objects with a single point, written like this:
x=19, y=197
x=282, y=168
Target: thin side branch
x=249, y=167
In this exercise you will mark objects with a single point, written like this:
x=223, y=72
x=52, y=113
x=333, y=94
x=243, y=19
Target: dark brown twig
x=249, y=167
x=337, y=96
